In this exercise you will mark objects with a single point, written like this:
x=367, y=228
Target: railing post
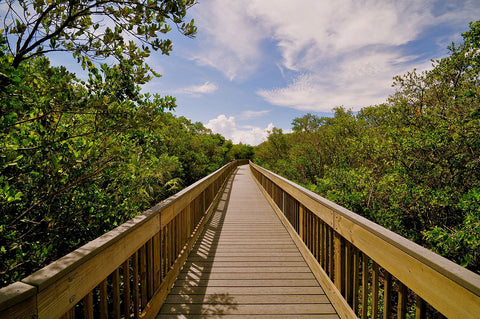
x=300, y=222
x=338, y=277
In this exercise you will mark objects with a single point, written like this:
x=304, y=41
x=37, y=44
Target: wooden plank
x=27, y=308
x=247, y=283
x=246, y=275
x=421, y=270
x=176, y=203
x=418, y=268
x=246, y=259
x=58, y=296
x=307, y=198
x=217, y=269
x=248, y=299
x=106, y=253
x=247, y=263
x=252, y=253
x=249, y=290
x=161, y=293
x=216, y=272
x=188, y=309
x=335, y=297
x=18, y=296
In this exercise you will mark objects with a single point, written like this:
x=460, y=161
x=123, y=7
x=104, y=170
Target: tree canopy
x=79, y=157
x=124, y=29
x=410, y=164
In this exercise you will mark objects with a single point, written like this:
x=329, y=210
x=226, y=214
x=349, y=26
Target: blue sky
x=258, y=64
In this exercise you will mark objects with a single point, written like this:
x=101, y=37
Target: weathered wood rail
x=128, y=271
x=365, y=269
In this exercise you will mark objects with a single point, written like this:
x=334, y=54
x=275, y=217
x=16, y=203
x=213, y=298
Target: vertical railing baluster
x=402, y=301
x=116, y=293
x=365, y=276
x=375, y=283
x=420, y=308
x=348, y=273
x=88, y=306
x=143, y=275
x=103, y=299
x=338, y=274
x=136, y=305
x=387, y=295
x=150, y=280
x=126, y=288
x=356, y=279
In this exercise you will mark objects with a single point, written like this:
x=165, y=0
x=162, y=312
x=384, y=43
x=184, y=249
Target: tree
x=410, y=164
x=124, y=29
x=307, y=123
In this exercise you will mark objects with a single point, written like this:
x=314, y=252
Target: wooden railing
x=128, y=271
x=365, y=269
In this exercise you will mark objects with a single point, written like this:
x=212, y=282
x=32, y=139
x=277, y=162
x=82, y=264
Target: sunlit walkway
x=246, y=265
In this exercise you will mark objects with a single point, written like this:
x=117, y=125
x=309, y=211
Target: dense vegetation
x=79, y=157
x=411, y=164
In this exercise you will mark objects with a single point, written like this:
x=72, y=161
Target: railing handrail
x=353, y=226
x=59, y=268
x=448, y=268
x=149, y=222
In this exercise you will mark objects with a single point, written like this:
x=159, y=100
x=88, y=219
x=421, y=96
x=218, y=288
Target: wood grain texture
x=421, y=270
x=246, y=264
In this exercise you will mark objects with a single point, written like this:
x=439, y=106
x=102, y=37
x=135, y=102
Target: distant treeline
x=411, y=164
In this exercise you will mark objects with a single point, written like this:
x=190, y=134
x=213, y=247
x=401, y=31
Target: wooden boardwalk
x=245, y=265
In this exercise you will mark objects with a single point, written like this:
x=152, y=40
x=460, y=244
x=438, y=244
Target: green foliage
x=240, y=151
x=126, y=30
x=81, y=157
x=410, y=164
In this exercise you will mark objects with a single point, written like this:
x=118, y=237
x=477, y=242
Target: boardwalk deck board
x=245, y=265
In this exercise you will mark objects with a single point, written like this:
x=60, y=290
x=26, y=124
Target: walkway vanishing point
x=246, y=264
x=244, y=242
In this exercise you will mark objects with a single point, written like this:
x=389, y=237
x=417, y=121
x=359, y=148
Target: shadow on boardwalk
x=191, y=297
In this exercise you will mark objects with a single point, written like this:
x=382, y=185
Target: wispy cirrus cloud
x=249, y=114
x=229, y=40
x=341, y=52
x=198, y=90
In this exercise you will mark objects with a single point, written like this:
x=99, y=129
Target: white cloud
x=227, y=127
x=197, y=90
x=247, y=115
x=342, y=52
x=229, y=37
